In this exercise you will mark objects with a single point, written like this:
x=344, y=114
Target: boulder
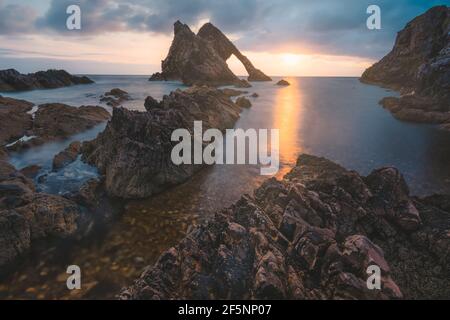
x=151, y=103
x=312, y=235
x=12, y=80
x=243, y=102
x=283, y=83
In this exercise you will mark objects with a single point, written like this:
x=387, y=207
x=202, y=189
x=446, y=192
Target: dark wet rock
x=27, y=216
x=419, y=67
x=233, y=92
x=151, y=103
x=243, y=84
x=56, y=120
x=115, y=97
x=254, y=95
x=416, y=109
x=66, y=156
x=3, y=154
x=243, y=102
x=14, y=119
x=201, y=58
x=134, y=151
x=31, y=171
x=12, y=80
x=283, y=83
x=93, y=196
x=312, y=235
x=157, y=76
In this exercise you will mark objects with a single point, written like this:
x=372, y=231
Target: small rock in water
x=243, y=102
x=283, y=83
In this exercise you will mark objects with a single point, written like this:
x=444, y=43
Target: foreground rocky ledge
x=12, y=80
x=27, y=216
x=312, y=236
x=419, y=67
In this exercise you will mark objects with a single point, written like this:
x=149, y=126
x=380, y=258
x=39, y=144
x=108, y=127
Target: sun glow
x=291, y=59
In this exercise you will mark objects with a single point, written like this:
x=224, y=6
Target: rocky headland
x=312, y=235
x=134, y=150
x=200, y=59
x=419, y=67
x=12, y=80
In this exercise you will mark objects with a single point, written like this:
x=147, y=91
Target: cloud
x=334, y=27
x=16, y=19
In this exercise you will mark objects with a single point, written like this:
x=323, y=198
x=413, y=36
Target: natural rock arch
x=201, y=58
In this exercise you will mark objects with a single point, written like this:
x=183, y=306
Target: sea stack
x=200, y=59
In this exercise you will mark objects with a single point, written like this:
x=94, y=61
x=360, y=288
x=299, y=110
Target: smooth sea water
x=338, y=118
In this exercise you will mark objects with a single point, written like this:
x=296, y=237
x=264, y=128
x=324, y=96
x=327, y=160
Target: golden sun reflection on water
x=287, y=118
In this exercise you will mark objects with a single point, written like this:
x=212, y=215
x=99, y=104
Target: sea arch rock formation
x=200, y=59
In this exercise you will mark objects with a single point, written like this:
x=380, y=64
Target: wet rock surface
x=27, y=216
x=14, y=119
x=201, y=58
x=56, y=120
x=312, y=235
x=66, y=156
x=115, y=97
x=21, y=129
x=243, y=102
x=134, y=151
x=419, y=67
x=12, y=80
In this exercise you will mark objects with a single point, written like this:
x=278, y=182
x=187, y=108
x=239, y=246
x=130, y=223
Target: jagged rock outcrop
x=312, y=235
x=134, y=151
x=201, y=58
x=12, y=80
x=419, y=67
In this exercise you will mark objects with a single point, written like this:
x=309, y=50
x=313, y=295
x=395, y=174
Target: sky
x=281, y=37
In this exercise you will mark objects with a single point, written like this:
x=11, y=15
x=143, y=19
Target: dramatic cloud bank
x=328, y=27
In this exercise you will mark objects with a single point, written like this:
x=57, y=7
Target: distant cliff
x=201, y=58
x=419, y=67
x=12, y=80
